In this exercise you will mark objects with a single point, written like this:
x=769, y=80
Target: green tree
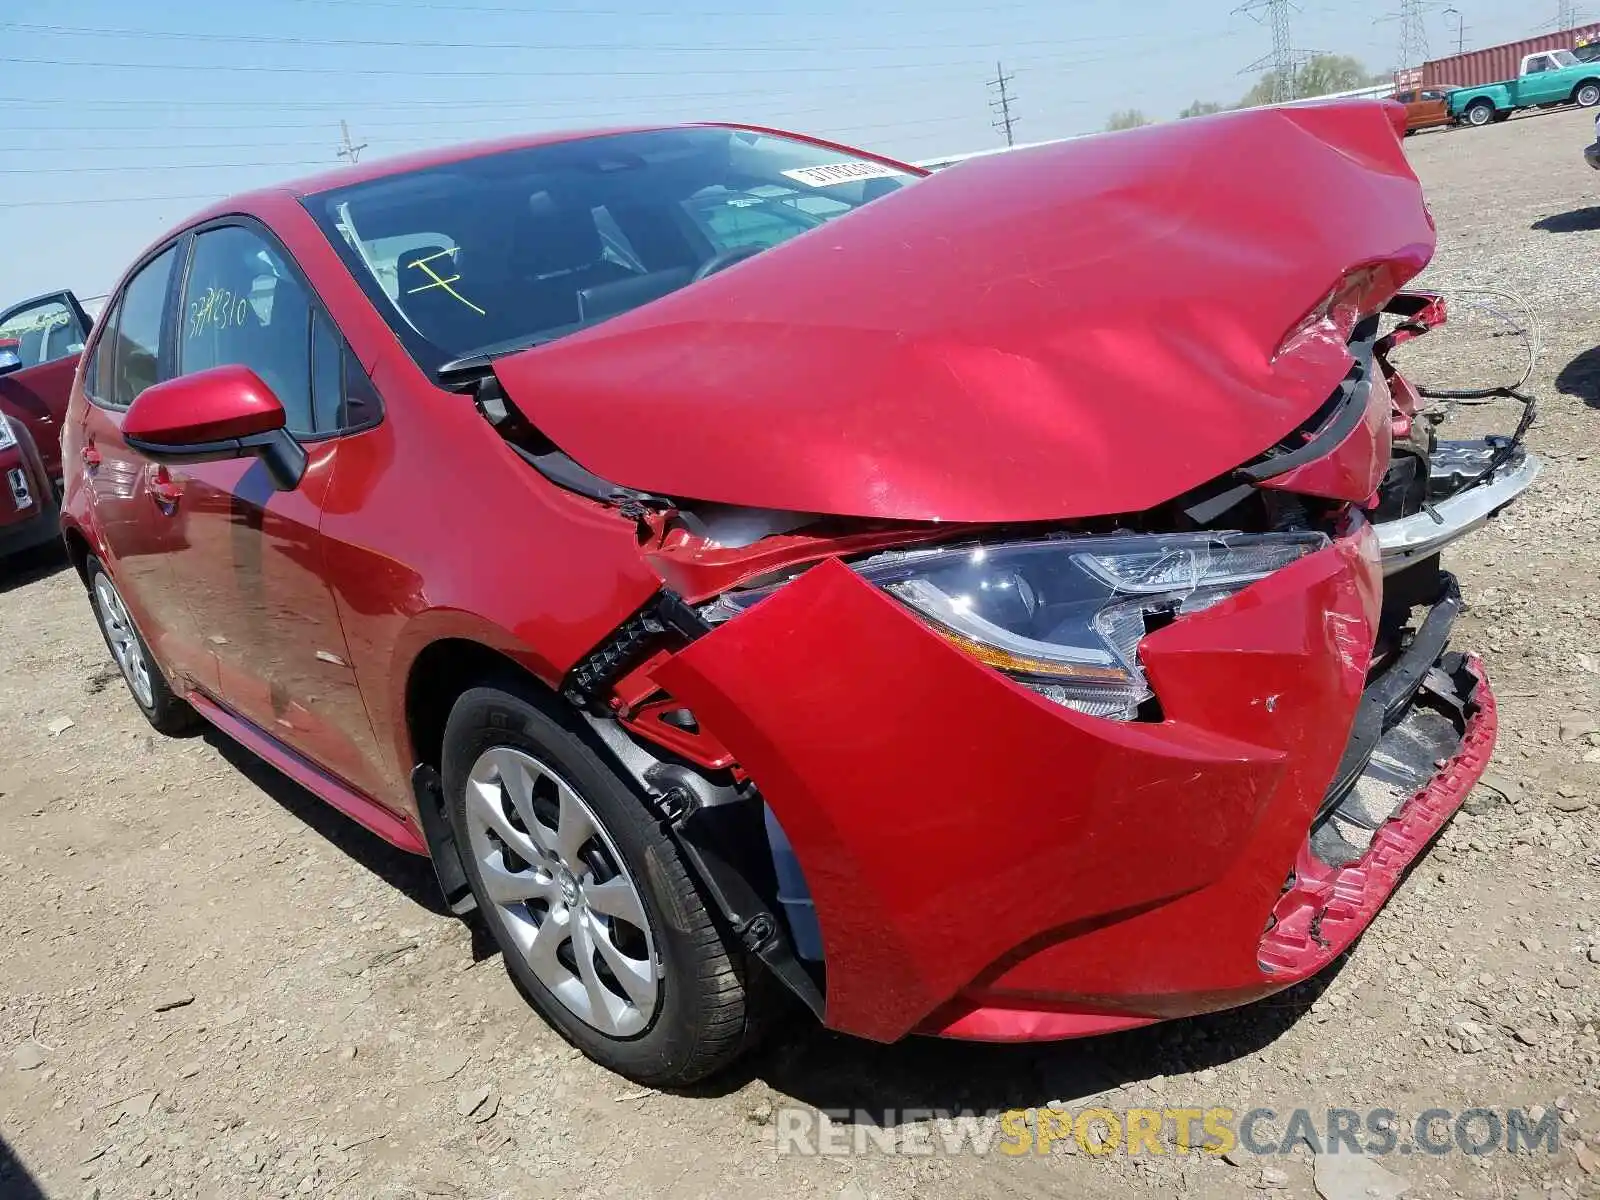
x=1200, y=108
x=1322, y=73
x=1126, y=118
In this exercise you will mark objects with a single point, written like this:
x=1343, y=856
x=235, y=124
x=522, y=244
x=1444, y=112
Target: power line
x=57, y=201
x=676, y=14
x=524, y=73
x=601, y=73
x=234, y=145
x=607, y=47
x=1002, y=104
x=163, y=167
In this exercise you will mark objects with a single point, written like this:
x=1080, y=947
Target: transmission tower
x=348, y=148
x=1413, y=34
x=1001, y=104
x=1283, y=60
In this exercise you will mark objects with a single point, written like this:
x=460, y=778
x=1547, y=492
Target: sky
x=121, y=118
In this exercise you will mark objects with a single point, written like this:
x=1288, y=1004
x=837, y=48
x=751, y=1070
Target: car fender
x=1497, y=94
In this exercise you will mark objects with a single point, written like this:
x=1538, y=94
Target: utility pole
x=1461, y=29
x=1413, y=35
x=1283, y=59
x=1566, y=15
x=348, y=149
x=1002, y=103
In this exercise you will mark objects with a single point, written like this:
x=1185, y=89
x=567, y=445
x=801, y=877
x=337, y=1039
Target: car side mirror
x=224, y=412
x=10, y=355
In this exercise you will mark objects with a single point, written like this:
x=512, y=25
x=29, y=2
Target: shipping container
x=1495, y=63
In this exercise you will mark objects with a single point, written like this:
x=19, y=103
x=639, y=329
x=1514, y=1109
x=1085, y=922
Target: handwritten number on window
x=218, y=308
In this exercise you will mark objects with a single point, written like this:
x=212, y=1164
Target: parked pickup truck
x=1548, y=78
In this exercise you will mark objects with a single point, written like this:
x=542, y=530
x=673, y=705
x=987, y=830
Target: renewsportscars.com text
x=1102, y=1131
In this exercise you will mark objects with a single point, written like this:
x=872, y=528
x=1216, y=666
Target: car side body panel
x=433, y=529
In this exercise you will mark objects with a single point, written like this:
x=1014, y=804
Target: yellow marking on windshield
x=440, y=281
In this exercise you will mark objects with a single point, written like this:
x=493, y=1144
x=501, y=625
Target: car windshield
x=522, y=246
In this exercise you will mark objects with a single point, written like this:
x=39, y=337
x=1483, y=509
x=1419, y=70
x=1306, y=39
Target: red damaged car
x=40, y=340
x=742, y=562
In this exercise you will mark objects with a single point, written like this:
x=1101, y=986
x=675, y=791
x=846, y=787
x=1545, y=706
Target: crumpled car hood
x=1074, y=330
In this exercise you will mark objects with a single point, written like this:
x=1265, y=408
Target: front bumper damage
x=987, y=864
x=1406, y=540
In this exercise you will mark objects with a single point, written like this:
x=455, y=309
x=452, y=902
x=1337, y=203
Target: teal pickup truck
x=1548, y=78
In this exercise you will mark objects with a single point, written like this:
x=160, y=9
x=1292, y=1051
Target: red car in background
x=40, y=342
x=741, y=561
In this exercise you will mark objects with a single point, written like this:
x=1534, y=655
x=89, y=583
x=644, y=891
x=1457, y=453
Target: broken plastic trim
x=1405, y=540
x=538, y=451
x=664, y=614
x=1384, y=701
x=1333, y=423
x=1430, y=731
x=721, y=832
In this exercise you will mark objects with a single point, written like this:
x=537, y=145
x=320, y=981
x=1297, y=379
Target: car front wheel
x=156, y=700
x=595, y=912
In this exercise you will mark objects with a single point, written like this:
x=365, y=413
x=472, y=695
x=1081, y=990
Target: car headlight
x=7, y=438
x=1064, y=616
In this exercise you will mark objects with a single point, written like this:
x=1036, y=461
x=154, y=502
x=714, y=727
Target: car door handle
x=90, y=456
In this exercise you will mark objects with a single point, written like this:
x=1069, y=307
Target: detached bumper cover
x=987, y=864
x=1408, y=539
x=971, y=847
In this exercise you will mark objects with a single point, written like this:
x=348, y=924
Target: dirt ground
x=213, y=986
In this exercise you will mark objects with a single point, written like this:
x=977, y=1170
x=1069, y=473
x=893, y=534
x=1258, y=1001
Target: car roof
x=379, y=168
x=440, y=155
x=274, y=197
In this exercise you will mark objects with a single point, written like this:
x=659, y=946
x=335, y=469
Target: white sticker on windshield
x=845, y=172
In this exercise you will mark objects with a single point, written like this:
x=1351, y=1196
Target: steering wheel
x=724, y=259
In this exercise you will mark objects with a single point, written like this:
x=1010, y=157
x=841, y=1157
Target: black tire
x=1479, y=113
x=163, y=708
x=1587, y=94
x=710, y=995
